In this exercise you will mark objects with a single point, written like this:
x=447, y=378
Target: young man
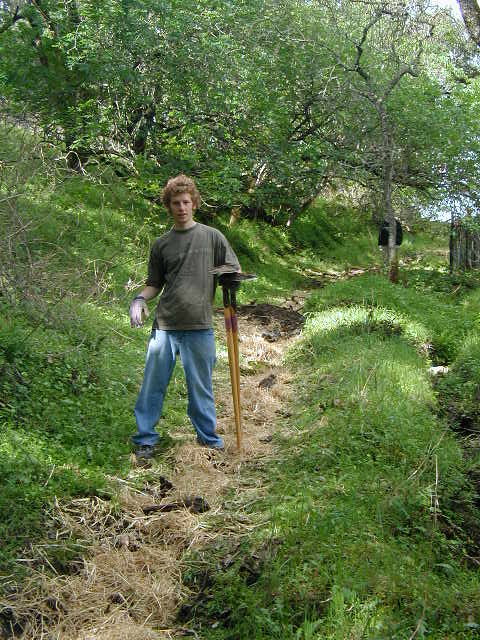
x=179, y=267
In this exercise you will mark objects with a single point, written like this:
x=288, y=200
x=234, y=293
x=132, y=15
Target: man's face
x=182, y=210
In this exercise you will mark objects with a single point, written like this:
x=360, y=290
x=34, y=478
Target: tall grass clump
x=436, y=321
x=459, y=391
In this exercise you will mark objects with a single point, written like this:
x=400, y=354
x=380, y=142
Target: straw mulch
x=124, y=580
x=127, y=585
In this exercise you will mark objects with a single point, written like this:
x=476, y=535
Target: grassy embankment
x=371, y=524
x=368, y=530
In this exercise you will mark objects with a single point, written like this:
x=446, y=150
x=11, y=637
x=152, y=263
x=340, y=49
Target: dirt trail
x=127, y=584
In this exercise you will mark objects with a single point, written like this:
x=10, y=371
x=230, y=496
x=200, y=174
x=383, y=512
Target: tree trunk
x=305, y=205
x=452, y=242
x=464, y=248
x=471, y=17
x=235, y=215
x=140, y=126
x=76, y=157
x=387, y=162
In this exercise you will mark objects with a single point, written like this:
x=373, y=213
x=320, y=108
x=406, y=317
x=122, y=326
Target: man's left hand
x=138, y=312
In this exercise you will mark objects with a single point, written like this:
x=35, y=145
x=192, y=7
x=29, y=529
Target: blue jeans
x=197, y=353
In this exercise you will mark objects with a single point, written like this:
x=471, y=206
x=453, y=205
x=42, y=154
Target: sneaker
x=145, y=452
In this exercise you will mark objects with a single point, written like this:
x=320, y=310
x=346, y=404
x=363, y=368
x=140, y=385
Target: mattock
x=230, y=279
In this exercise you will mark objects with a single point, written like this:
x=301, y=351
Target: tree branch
x=45, y=17
x=359, y=46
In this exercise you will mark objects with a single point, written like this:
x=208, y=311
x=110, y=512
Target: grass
x=437, y=320
x=365, y=530
x=459, y=391
x=368, y=525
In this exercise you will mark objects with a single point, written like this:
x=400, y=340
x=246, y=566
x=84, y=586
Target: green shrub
x=316, y=228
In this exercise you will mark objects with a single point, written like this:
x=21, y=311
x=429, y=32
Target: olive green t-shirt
x=179, y=264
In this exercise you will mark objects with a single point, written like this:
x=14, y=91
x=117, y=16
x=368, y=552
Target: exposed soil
x=127, y=583
x=280, y=321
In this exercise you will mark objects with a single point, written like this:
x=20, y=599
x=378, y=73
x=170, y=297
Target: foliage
x=261, y=101
x=326, y=224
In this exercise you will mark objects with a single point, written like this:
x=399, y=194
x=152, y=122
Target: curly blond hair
x=180, y=184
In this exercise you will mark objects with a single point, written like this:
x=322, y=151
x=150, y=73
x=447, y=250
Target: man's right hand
x=138, y=309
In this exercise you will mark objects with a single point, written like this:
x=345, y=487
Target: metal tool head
x=228, y=276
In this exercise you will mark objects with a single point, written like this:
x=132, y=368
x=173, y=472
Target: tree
x=378, y=54
x=266, y=102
